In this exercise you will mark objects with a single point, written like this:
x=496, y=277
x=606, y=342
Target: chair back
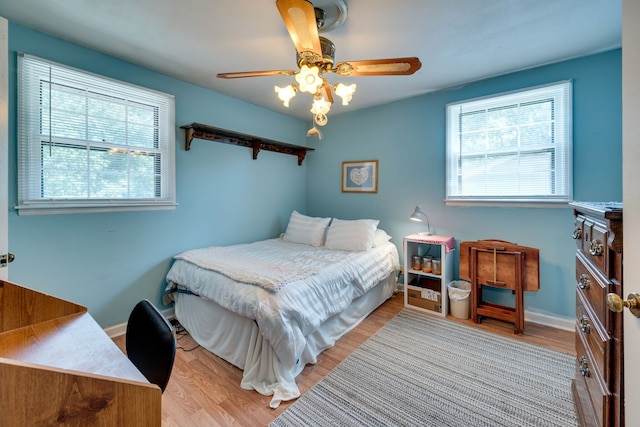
x=151, y=343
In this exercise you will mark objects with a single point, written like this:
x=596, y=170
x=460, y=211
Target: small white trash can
x=459, y=291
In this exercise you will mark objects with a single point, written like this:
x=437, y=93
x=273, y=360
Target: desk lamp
x=420, y=216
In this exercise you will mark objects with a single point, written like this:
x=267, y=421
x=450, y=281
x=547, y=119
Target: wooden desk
x=58, y=367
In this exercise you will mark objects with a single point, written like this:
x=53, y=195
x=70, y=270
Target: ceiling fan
x=315, y=56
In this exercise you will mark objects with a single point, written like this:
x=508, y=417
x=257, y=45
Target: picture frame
x=360, y=176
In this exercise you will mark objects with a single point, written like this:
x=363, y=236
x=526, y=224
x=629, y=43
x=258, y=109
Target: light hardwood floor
x=204, y=390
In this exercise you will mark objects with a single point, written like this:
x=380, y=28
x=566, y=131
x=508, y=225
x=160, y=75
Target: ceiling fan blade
x=266, y=73
x=326, y=91
x=379, y=67
x=300, y=19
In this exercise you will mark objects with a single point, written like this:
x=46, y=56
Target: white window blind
x=513, y=147
x=90, y=143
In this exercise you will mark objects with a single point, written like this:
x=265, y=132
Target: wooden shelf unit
x=424, y=291
x=256, y=143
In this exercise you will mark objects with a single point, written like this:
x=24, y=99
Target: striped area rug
x=422, y=370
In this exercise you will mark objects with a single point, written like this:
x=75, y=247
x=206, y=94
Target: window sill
x=509, y=203
x=49, y=209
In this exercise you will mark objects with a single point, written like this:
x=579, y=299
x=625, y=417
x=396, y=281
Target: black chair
x=151, y=343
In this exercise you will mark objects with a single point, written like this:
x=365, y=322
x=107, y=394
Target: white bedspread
x=260, y=263
x=294, y=290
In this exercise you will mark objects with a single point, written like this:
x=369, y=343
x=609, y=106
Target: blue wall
x=108, y=262
x=408, y=139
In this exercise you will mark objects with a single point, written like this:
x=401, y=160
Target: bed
x=271, y=307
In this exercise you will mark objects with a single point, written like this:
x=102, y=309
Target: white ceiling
x=458, y=41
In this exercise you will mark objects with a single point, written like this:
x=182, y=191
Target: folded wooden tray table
x=499, y=264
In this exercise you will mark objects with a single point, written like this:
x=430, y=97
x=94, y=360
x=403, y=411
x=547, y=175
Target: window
x=89, y=143
x=511, y=148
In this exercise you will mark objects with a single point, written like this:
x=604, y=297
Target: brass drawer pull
x=595, y=247
x=585, y=283
x=584, y=324
x=577, y=233
x=584, y=366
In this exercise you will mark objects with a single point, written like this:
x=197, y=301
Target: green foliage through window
x=511, y=147
x=85, y=140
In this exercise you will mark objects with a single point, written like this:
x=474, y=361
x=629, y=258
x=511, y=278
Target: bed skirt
x=237, y=339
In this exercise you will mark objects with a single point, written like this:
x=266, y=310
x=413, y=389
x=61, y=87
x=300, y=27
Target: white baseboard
x=564, y=323
x=121, y=329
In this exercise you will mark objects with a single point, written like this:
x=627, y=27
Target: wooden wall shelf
x=210, y=133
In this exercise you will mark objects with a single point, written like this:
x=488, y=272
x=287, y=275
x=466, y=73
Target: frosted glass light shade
x=286, y=93
x=345, y=92
x=308, y=79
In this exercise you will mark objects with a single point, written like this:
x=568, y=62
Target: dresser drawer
x=595, y=244
x=593, y=287
x=594, y=336
x=590, y=379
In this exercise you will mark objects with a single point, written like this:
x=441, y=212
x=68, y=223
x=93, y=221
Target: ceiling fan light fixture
x=315, y=56
x=286, y=93
x=309, y=79
x=345, y=92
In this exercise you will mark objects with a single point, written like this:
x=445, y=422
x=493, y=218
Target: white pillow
x=380, y=237
x=305, y=229
x=354, y=235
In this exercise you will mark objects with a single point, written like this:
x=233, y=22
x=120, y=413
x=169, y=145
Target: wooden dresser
x=598, y=385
